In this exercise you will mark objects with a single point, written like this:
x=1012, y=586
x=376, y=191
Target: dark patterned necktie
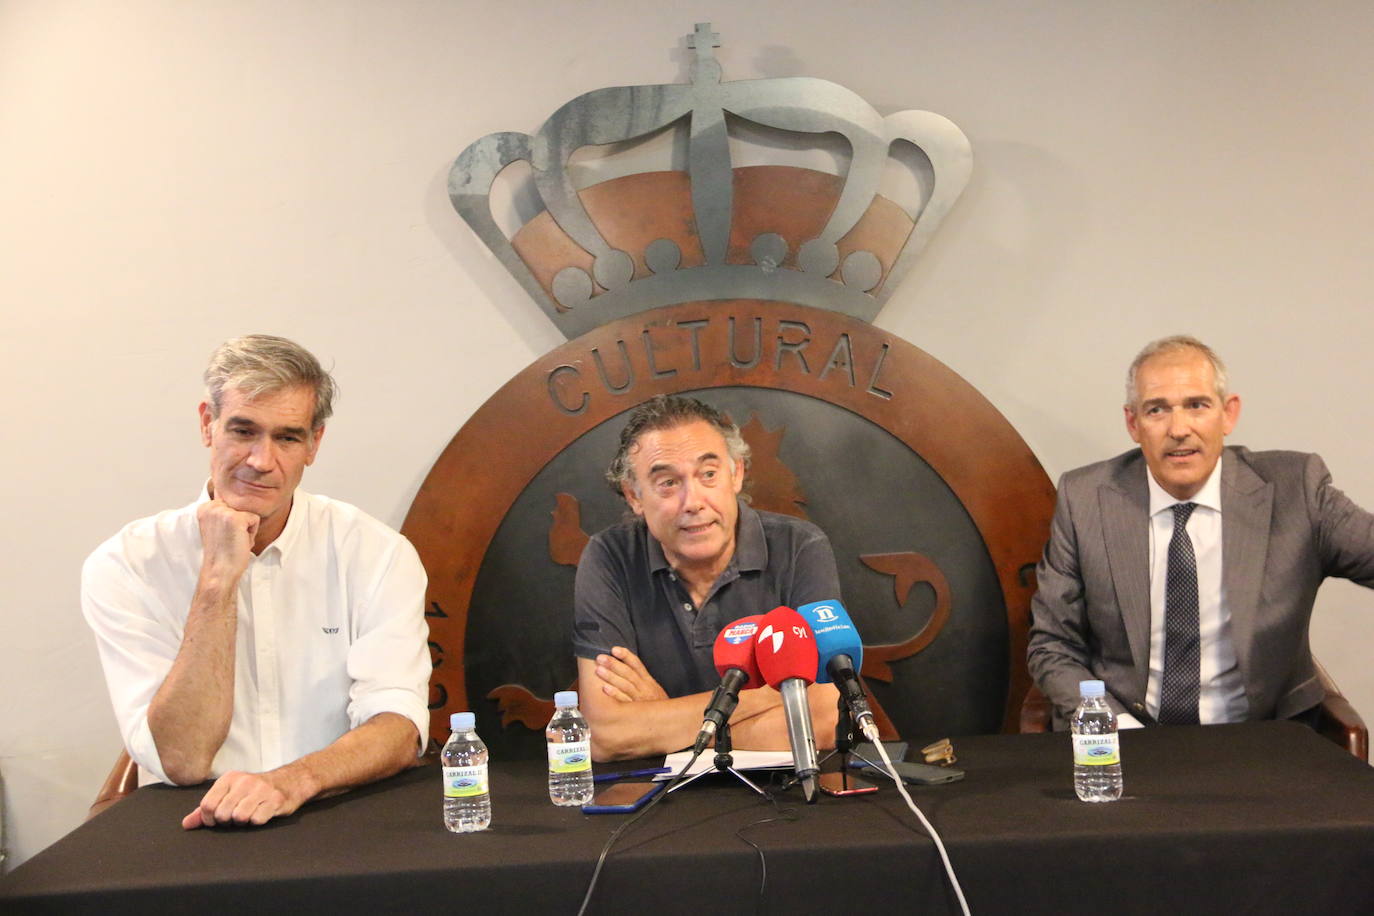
x=1178, y=694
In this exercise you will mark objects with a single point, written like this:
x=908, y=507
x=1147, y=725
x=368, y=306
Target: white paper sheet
x=744, y=760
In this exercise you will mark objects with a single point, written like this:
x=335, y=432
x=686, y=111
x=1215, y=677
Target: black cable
x=605, y=850
x=783, y=814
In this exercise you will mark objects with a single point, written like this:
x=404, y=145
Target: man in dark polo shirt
x=653, y=593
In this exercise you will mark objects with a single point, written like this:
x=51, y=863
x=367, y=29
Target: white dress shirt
x=1222, y=694
x=331, y=630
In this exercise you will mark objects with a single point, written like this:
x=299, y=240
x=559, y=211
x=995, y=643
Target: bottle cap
x=1092, y=688
x=565, y=698
x=462, y=721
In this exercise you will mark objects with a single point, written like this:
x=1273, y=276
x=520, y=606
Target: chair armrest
x=1338, y=720
x=1035, y=712
x=122, y=781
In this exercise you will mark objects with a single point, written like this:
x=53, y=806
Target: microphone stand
x=845, y=733
x=725, y=762
x=844, y=730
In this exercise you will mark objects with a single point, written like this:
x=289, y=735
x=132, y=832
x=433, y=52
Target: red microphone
x=734, y=658
x=785, y=649
x=735, y=649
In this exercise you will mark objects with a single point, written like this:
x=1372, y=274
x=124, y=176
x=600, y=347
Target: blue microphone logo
x=835, y=634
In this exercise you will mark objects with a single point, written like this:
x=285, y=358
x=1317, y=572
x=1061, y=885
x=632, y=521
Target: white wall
x=173, y=173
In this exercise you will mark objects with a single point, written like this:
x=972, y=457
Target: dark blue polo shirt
x=627, y=594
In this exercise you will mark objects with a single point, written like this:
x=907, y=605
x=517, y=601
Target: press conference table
x=1256, y=818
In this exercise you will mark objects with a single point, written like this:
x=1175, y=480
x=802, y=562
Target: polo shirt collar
x=751, y=548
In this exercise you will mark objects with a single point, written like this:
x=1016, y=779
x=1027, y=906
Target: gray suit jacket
x=1285, y=528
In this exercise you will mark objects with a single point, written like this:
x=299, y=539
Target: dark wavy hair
x=668, y=412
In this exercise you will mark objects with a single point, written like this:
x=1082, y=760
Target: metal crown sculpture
x=848, y=259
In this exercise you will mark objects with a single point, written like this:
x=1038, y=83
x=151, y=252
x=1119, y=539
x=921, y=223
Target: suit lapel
x=1247, y=503
x=1125, y=506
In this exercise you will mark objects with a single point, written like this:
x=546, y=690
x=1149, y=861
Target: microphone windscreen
x=835, y=635
x=735, y=649
x=785, y=648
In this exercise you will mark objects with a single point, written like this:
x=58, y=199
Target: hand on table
x=242, y=799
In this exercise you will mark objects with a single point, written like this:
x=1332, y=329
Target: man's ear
x=1230, y=412
x=1132, y=423
x=627, y=489
x=738, y=476
x=205, y=420
x=315, y=437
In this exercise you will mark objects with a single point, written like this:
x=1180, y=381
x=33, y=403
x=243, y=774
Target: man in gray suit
x=1183, y=573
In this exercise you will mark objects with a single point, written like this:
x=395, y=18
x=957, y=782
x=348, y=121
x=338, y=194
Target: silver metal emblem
x=821, y=271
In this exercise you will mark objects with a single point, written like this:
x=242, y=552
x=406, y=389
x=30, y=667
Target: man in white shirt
x=262, y=636
x=1183, y=573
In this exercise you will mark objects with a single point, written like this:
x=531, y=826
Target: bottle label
x=465, y=782
x=572, y=757
x=1096, y=750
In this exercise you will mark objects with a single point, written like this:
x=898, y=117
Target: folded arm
x=631, y=716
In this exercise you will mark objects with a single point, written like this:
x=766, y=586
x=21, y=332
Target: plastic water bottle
x=467, y=794
x=570, y=752
x=1096, y=749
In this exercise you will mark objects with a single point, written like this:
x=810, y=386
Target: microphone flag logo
x=737, y=633
x=825, y=614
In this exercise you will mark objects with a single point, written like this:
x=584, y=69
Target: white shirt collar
x=1209, y=496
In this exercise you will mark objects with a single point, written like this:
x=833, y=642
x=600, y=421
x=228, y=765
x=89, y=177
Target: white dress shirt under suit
x=1222, y=694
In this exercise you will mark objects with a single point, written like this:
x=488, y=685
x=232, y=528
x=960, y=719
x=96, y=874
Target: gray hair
x=260, y=364
x=1175, y=344
x=669, y=412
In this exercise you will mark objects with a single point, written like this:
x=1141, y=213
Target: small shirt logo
x=330, y=630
